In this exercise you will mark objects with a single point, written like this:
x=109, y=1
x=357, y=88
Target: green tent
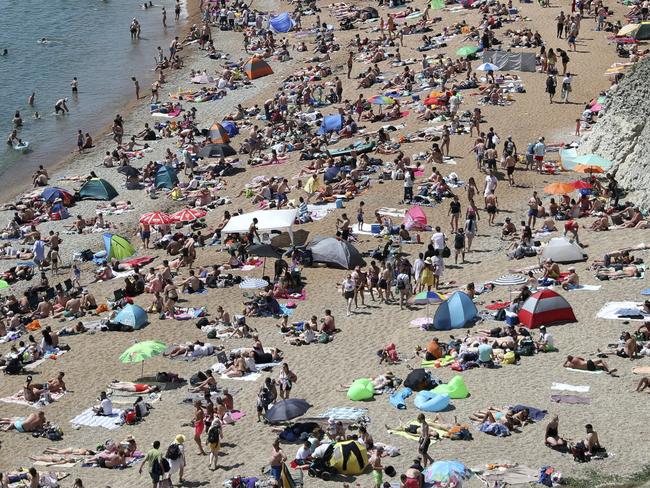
x=97, y=189
x=166, y=178
x=644, y=32
x=117, y=247
x=437, y=4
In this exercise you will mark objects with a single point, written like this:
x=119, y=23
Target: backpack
x=213, y=434
x=162, y=377
x=526, y=348
x=173, y=452
x=400, y=284
x=197, y=378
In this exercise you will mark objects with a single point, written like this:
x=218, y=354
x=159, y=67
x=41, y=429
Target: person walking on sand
x=154, y=461
x=199, y=425
x=566, y=88
x=350, y=63
x=145, y=234
x=278, y=458
x=551, y=84
x=81, y=141
x=213, y=441
x=424, y=441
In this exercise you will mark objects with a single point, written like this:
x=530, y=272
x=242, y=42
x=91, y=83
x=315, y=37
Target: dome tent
x=335, y=253
x=281, y=23
x=117, y=247
x=166, y=178
x=545, y=307
x=563, y=250
x=256, y=68
x=455, y=313
x=97, y=189
x=414, y=219
x=133, y=316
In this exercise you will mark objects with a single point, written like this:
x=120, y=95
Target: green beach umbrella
x=141, y=351
x=437, y=4
x=3, y=284
x=594, y=160
x=466, y=51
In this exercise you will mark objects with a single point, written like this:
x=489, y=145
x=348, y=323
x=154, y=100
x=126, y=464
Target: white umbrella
x=253, y=283
x=487, y=67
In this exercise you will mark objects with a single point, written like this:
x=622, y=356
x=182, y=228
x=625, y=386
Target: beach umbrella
x=256, y=68
x=281, y=23
x=510, y=280
x=582, y=185
x=218, y=134
x=97, y=189
x=594, y=160
x=128, y=171
x=216, y=151
x=264, y=251
x=287, y=409
x=52, y=193
x=487, y=67
x=156, y=218
x=117, y=247
x=559, y=188
x=132, y=315
x=381, y=100
x=582, y=168
x=188, y=215
x=331, y=123
x=141, y=351
x=446, y=473
x=253, y=283
x=466, y=51
x=3, y=284
x=426, y=298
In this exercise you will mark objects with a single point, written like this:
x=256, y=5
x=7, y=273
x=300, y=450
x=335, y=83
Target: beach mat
x=47, y=464
x=610, y=311
x=19, y=399
x=598, y=371
x=510, y=476
x=641, y=370
x=351, y=414
x=89, y=419
x=248, y=377
x=571, y=399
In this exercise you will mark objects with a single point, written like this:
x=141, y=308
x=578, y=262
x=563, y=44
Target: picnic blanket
x=567, y=387
x=351, y=414
x=622, y=311
x=509, y=475
x=415, y=437
x=89, y=419
x=19, y=399
x=571, y=399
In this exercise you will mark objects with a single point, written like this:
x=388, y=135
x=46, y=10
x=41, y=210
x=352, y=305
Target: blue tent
x=231, y=128
x=281, y=22
x=455, y=313
x=166, y=177
x=133, y=316
x=331, y=123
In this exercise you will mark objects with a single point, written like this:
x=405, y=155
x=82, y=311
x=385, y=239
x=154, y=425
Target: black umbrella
x=217, y=151
x=287, y=409
x=265, y=251
x=128, y=171
x=300, y=236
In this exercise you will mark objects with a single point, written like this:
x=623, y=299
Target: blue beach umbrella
x=331, y=123
x=446, y=473
x=487, y=67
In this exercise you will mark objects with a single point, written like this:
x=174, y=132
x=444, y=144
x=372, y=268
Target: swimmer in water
x=30, y=100
x=61, y=106
x=37, y=115
x=18, y=120
x=74, y=84
x=13, y=137
x=44, y=40
x=5, y=52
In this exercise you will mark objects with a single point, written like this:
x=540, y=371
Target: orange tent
x=256, y=68
x=218, y=134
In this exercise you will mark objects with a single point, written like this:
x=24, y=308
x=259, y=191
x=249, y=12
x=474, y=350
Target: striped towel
x=89, y=419
x=344, y=413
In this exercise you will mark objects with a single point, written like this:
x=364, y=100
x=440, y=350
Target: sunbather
x=32, y=423
x=588, y=364
x=133, y=387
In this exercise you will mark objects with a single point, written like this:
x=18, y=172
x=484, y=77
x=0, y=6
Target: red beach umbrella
x=189, y=215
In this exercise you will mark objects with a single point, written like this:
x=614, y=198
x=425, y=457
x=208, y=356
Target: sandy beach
x=615, y=410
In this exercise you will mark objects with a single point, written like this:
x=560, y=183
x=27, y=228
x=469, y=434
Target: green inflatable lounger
x=456, y=388
x=361, y=389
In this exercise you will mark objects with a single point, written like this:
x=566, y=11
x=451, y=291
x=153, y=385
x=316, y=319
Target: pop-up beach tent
x=133, y=316
x=510, y=61
x=218, y=134
x=415, y=219
x=117, y=247
x=281, y=22
x=545, y=307
x=267, y=221
x=331, y=123
x=166, y=177
x=97, y=189
x=335, y=253
x=456, y=312
x=256, y=68
x=563, y=250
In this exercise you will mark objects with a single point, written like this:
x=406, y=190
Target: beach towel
x=128, y=400
x=19, y=399
x=510, y=475
x=46, y=464
x=615, y=310
x=567, y=387
x=586, y=371
x=586, y=288
x=89, y=419
x=571, y=399
x=11, y=336
x=351, y=414
x=398, y=399
x=247, y=377
x=641, y=370
x=534, y=414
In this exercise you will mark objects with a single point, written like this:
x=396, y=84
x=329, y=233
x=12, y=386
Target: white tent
x=562, y=250
x=267, y=221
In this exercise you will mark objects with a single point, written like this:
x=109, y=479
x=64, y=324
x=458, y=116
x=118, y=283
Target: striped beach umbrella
x=253, y=283
x=156, y=218
x=510, y=280
x=189, y=215
x=381, y=100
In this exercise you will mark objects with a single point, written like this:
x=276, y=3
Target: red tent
x=545, y=307
x=415, y=219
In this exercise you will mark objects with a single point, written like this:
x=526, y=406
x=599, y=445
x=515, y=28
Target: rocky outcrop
x=622, y=134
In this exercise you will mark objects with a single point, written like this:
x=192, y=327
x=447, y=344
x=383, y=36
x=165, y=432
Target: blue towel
x=534, y=414
x=494, y=429
x=398, y=399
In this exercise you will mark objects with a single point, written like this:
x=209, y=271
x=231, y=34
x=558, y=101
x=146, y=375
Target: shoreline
x=128, y=106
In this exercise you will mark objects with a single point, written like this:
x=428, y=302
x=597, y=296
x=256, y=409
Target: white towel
x=248, y=377
x=89, y=419
x=566, y=387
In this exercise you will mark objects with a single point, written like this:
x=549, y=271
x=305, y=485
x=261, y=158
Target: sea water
x=89, y=39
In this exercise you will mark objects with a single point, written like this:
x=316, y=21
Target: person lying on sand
x=133, y=387
x=32, y=423
x=507, y=418
x=69, y=451
x=588, y=364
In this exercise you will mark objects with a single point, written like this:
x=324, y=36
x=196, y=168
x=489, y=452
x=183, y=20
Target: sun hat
x=180, y=439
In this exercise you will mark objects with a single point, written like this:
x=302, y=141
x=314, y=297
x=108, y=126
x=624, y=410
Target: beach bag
x=213, y=434
x=323, y=338
x=401, y=284
x=446, y=252
x=162, y=377
x=173, y=452
x=197, y=378
x=526, y=348
x=131, y=417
